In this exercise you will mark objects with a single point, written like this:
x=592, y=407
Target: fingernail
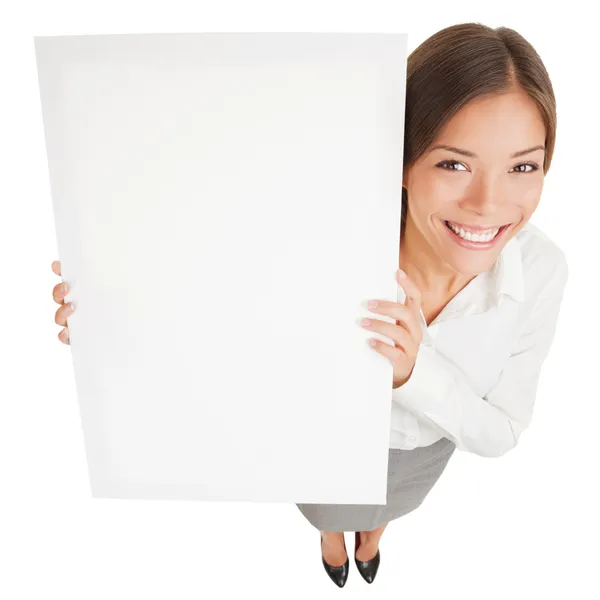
x=71, y=307
x=65, y=287
x=401, y=273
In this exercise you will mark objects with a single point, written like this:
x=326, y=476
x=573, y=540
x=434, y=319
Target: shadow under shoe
x=367, y=568
x=339, y=575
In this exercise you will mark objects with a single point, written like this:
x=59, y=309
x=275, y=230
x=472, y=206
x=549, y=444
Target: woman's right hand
x=65, y=310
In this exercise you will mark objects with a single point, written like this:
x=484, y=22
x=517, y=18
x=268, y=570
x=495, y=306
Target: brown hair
x=460, y=63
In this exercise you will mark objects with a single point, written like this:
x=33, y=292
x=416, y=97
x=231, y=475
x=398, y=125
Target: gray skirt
x=411, y=474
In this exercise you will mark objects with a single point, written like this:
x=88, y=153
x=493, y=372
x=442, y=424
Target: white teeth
x=484, y=236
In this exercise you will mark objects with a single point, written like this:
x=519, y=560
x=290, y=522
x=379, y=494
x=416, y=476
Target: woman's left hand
x=406, y=334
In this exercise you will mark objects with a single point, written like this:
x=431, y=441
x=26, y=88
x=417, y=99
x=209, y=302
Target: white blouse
x=477, y=369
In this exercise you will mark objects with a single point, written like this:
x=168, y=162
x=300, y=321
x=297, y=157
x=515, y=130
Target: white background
x=521, y=526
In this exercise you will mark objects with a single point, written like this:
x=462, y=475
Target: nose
x=483, y=196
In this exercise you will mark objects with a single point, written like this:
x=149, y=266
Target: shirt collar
x=507, y=272
x=504, y=278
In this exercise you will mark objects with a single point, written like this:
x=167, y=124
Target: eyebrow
x=473, y=155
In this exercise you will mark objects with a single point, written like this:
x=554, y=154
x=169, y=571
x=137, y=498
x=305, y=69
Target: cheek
x=529, y=195
x=435, y=193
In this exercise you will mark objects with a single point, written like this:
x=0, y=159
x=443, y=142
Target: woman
x=480, y=297
x=481, y=307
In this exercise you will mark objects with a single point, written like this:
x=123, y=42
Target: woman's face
x=488, y=187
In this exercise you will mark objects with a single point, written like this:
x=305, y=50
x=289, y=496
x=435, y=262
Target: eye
x=533, y=166
x=445, y=163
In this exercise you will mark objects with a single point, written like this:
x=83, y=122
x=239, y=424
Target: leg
x=369, y=543
x=333, y=548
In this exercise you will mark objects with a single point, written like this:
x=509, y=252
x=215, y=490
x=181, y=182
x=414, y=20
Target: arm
x=490, y=426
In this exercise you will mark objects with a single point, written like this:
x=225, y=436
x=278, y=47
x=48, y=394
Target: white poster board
x=225, y=204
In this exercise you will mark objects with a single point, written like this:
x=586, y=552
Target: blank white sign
x=225, y=204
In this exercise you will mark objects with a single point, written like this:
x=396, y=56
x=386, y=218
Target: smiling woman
x=461, y=158
x=479, y=137
x=470, y=183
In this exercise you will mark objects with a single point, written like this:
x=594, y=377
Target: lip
x=475, y=245
x=475, y=227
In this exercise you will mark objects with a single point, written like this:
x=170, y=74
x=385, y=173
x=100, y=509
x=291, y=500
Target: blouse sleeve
x=490, y=426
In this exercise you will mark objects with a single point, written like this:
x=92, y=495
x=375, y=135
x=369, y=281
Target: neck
x=431, y=274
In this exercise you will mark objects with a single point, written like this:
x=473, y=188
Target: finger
x=63, y=313
x=59, y=292
x=63, y=336
x=394, y=353
x=413, y=293
x=56, y=267
x=398, y=334
x=403, y=315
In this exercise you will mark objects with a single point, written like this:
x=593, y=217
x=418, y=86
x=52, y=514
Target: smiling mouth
x=484, y=236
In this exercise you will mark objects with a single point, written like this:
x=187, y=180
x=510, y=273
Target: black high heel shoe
x=339, y=575
x=367, y=568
